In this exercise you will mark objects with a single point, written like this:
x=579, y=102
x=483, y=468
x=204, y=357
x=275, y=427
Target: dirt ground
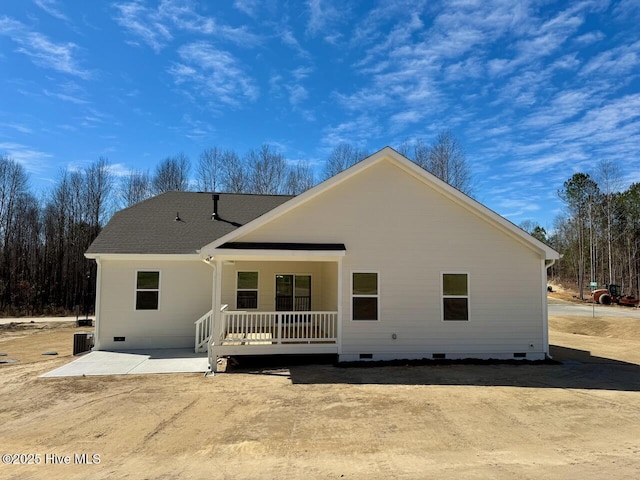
x=579, y=419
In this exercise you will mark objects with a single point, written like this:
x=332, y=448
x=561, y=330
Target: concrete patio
x=133, y=362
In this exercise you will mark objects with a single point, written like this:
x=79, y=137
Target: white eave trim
x=169, y=257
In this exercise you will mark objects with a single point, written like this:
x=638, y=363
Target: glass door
x=293, y=293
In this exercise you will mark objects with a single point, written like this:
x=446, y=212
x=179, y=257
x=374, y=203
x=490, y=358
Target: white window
x=247, y=290
x=455, y=296
x=147, y=290
x=364, y=296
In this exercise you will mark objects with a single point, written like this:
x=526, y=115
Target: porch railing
x=204, y=330
x=278, y=328
x=204, y=327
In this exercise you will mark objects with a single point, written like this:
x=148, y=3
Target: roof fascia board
x=168, y=257
x=274, y=255
x=283, y=253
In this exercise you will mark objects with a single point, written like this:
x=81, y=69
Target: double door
x=293, y=293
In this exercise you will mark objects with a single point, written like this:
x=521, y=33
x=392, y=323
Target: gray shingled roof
x=151, y=226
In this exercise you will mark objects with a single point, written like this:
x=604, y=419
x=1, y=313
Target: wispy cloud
x=119, y=169
x=324, y=17
x=156, y=26
x=564, y=106
x=18, y=127
x=248, y=7
x=358, y=131
x=68, y=92
x=617, y=61
x=31, y=159
x=142, y=22
x=589, y=38
x=51, y=7
x=401, y=120
x=214, y=73
x=194, y=128
x=184, y=17
x=288, y=38
x=42, y=51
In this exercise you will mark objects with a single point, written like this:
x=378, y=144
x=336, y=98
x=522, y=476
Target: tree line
x=43, y=238
x=599, y=233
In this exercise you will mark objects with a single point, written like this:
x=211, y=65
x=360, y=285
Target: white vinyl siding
x=185, y=295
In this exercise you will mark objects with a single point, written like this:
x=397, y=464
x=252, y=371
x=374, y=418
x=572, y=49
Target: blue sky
x=534, y=90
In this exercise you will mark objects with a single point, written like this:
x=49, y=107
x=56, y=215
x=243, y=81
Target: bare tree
x=342, y=157
x=172, y=174
x=535, y=230
x=404, y=148
x=267, y=170
x=134, y=187
x=13, y=182
x=13, y=185
x=579, y=193
x=421, y=154
x=234, y=175
x=208, y=173
x=99, y=193
x=609, y=178
x=300, y=178
x=447, y=161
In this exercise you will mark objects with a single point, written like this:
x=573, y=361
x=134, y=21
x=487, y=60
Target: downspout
x=207, y=260
x=96, y=344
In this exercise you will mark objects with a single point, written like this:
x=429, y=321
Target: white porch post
x=214, y=288
x=96, y=340
x=339, y=320
x=217, y=298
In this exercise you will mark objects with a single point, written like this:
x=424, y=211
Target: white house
x=382, y=261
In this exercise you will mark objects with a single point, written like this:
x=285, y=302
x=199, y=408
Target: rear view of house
x=382, y=261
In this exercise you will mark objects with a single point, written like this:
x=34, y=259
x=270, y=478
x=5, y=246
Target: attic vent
x=214, y=215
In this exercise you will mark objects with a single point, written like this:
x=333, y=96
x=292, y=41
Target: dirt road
x=563, y=307
x=575, y=420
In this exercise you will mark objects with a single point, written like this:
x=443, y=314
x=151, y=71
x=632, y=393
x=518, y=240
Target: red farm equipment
x=613, y=294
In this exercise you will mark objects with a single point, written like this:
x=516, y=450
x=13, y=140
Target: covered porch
x=279, y=300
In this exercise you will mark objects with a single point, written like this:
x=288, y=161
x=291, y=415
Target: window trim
x=352, y=296
x=443, y=296
x=136, y=290
x=257, y=289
